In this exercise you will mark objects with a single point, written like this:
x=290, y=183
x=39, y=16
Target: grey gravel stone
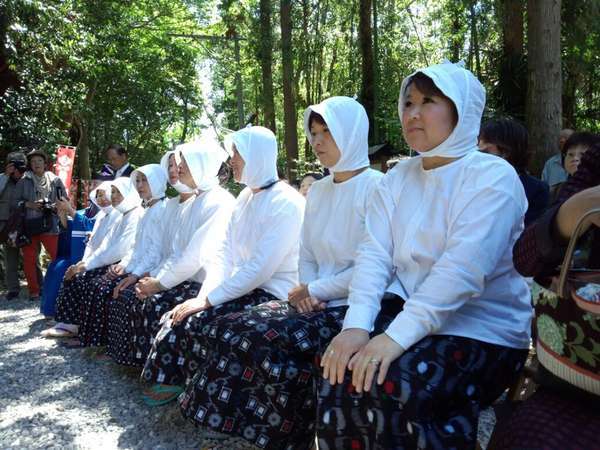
x=57, y=398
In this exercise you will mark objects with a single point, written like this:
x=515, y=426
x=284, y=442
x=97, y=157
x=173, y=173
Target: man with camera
x=16, y=165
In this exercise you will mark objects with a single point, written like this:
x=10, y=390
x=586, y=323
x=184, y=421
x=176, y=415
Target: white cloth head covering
x=349, y=125
x=131, y=199
x=157, y=179
x=105, y=187
x=164, y=161
x=258, y=148
x=204, y=158
x=467, y=94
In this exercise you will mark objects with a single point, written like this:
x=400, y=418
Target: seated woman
x=572, y=152
x=70, y=305
x=257, y=262
x=150, y=183
x=508, y=139
x=439, y=234
x=267, y=368
x=195, y=231
x=307, y=181
x=72, y=242
x=563, y=412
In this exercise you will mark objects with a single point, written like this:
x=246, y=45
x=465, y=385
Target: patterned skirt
x=258, y=380
x=145, y=317
x=178, y=350
x=119, y=329
x=69, y=304
x=93, y=328
x=431, y=397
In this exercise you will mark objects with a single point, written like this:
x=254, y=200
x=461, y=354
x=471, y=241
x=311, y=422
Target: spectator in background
x=574, y=149
x=36, y=191
x=554, y=174
x=118, y=160
x=307, y=182
x=16, y=164
x=507, y=139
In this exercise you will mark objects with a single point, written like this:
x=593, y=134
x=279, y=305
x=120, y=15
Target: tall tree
x=367, y=94
x=513, y=74
x=289, y=98
x=266, y=63
x=544, y=107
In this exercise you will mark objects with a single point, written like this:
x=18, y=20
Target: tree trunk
x=475, y=39
x=289, y=99
x=544, y=108
x=375, y=73
x=513, y=78
x=239, y=91
x=366, y=50
x=266, y=64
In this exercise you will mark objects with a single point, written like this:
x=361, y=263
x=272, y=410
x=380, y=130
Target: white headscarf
x=467, y=94
x=131, y=199
x=104, y=187
x=349, y=125
x=258, y=148
x=157, y=179
x=164, y=162
x=204, y=159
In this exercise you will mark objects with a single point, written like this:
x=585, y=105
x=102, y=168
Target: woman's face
x=324, y=145
x=306, y=184
x=573, y=158
x=38, y=164
x=427, y=120
x=142, y=186
x=115, y=196
x=185, y=176
x=237, y=165
x=101, y=199
x=173, y=170
x=488, y=147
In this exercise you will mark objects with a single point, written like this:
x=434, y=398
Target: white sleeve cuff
x=360, y=316
x=406, y=331
x=217, y=297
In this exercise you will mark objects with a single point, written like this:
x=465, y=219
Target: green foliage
x=123, y=72
x=116, y=67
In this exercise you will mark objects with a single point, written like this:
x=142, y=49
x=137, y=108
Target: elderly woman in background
x=508, y=139
x=36, y=192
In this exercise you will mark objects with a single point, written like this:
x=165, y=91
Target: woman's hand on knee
x=309, y=304
x=187, y=308
x=340, y=350
x=375, y=357
x=124, y=284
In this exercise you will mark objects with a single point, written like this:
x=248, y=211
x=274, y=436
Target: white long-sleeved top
x=170, y=220
x=261, y=246
x=147, y=250
x=120, y=240
x=197, y=234
x=443, y=238
x=334, y=224
x=103, y=226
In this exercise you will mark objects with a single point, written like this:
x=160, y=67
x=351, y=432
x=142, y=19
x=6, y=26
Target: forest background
x=150, y=74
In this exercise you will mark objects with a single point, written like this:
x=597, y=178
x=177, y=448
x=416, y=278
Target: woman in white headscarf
x=291, y=332
x=257, y=262
x=197, y=231
x=150, y=183
x=70, y=311
x=454, y=330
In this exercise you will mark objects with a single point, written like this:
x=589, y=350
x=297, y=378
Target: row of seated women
x=385, y=312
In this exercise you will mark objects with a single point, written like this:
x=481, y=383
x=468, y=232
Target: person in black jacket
x=508, y=139
x=118, y=160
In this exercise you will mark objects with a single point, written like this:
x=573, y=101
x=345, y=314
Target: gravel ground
x=57, y=398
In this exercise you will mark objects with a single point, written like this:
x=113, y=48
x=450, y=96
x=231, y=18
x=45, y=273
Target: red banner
x=63, y=168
